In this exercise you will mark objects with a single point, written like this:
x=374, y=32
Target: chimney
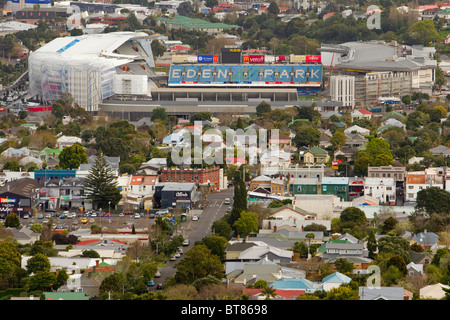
x=274, y=228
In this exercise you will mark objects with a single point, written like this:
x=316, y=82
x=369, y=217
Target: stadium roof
x=92, y=47
x=379, y=56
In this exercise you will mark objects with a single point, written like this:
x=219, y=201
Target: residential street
x=197, y=230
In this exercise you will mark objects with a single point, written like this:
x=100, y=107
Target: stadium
x=92, y=67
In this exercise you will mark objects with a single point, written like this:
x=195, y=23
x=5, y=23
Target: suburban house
x=355, y=140
x=357, y=129
x=361, y=114
x=249, y=273
x=337, y=186
x=262, y=251
x=314, y=155
x=433, y=291
x=384, y=293
x=304, y=186
x=344, y=250
x=382, y=189
x=67, y=141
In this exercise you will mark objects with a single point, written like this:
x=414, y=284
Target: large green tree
x=246, y=224
x=307, y=136
x=71, y=157
x=198, y=263
x=101, y=185
x=433, y=200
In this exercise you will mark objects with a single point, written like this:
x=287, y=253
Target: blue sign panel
x=191, y=73
x=284, y=74
x=207, y=74
x=268, y=73
x=238, y=73
x=222, y=73
x=300, y=73
x=206, y=58
x=176, y=74
x=253, y=73
x=315, y=74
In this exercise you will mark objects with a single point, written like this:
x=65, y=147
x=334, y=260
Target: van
x=227, y=201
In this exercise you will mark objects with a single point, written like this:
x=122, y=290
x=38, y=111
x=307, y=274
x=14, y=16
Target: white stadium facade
x=92, y=67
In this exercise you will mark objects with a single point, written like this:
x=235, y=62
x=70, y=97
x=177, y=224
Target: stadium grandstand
x=92, y=67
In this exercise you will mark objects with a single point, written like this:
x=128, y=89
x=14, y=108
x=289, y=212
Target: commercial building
x=172, y=194
x=203, y=177
x=379, y=69
x=19, y=196
x=419, y=180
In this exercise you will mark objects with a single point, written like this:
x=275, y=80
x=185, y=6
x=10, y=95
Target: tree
x=42, y=281
x=307, y=137
x=372, y=244
x=439, y=79
x=10, y=258
x=352, y=216
x=158, y=48
x=71, y=157
x=422, y=32
x=388, y=225
x=38, y=263
x=198, y=263
x=246, y=224
x=273, y=8
x=433, y=200
x=394, y=245
x=12, y=221
x=101, y=185
x=338, y=139
x=222, y=228
x=185, y=9
x=160, y=113
x=262, y=108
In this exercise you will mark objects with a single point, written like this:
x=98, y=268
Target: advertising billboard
x=250, y=75
x=295, y=58
x=254, y=58
x=313, y=59
x=207, y=58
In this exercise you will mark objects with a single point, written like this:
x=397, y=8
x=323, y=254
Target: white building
x=419, y=180
x=87, y=67
x=382, y=189
x=342, y=89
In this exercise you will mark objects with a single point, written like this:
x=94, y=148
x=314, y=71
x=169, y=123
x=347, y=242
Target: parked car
x=227, y=201
x=41, y=216
x=158, y=274
x=159, y=286
x=84, y=220
x=195, y=218
x=151, y=283
x=93, y=214
x=186, y=242
x=177, y=255
x=137, y=215
x=62, y=216
x=151, y=216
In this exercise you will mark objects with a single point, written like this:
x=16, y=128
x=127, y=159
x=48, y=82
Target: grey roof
x=350, y=246
x=174, y=186
x=381, y=293
x=378, y=56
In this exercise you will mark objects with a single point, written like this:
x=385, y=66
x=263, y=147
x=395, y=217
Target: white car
x=137, y=215
x=194, y=218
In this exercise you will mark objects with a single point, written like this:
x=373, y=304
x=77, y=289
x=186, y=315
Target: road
x=197, y=230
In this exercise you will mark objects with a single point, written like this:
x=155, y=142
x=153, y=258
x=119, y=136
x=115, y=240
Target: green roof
x=317, y=151
x=66, y=296
x=51, y=150
x=192, y=23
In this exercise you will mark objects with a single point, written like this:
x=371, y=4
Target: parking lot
x=72, y=221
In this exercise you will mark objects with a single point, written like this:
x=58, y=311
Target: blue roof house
x=334, y=280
